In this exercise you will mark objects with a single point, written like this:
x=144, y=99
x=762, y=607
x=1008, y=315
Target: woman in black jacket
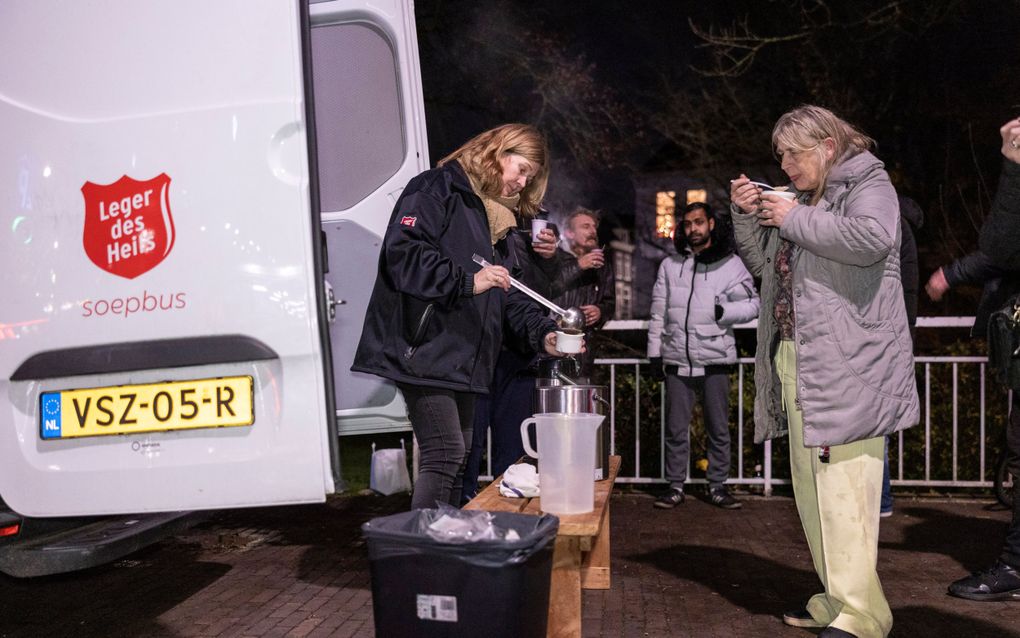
x=435, y=320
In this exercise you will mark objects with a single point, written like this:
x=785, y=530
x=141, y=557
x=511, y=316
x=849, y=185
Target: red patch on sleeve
x=407, y=220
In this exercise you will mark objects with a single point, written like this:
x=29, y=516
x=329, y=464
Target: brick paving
x=694, y=571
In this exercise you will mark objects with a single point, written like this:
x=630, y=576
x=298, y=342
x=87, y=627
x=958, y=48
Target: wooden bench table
x=581, y=553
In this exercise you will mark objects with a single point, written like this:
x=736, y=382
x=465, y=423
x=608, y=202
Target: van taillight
x=10, y=530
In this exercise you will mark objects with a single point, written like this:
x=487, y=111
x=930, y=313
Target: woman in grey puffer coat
x=834, y=365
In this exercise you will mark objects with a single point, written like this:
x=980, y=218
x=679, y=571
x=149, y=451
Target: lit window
x=697, y=195
x=665, y=207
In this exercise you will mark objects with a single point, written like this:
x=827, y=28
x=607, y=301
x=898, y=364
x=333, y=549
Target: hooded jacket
x=855, y=364
x=424, y=325
x=683, y=329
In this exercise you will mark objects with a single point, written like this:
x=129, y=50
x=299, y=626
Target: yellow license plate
x=150, y=407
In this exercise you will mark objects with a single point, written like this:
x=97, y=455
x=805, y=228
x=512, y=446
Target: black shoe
x=670, y=499
x=833, y=632
x=1001, y=582
x=720, y=497
x=801, y=618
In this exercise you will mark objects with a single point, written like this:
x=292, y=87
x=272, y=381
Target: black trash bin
x=492, y=588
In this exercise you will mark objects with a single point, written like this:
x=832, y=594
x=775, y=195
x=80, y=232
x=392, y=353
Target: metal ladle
x=569, y=319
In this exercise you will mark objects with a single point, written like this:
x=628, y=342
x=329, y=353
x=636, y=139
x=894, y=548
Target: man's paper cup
x=537, y=225
x=569, y=342
x=787, y=195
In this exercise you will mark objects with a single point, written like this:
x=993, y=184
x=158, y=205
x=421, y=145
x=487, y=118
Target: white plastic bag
x=388, y=474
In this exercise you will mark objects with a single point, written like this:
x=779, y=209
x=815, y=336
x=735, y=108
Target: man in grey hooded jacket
x=699, y=295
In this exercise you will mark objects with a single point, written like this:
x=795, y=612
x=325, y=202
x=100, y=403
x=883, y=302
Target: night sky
x=625, y=89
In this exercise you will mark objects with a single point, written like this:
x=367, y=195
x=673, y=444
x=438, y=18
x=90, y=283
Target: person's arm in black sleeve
x=527, y=320
x=411, y=255
x=1000, y=235
x=974, y=269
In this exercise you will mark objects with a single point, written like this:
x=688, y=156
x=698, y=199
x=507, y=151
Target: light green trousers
x=838, y=503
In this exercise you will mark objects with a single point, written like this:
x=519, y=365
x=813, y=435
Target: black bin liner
x=490, y=588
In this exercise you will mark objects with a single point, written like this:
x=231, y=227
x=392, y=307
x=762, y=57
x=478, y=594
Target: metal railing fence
x=949, y=471
x=963, y=415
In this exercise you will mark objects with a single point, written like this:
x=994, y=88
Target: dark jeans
x=681, y=392
x=442, y=421
x=508, y=404
x=1011, y=550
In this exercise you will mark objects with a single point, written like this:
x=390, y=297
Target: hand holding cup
x=569, y=341
x=596, y=258
x=775, y=205
x=537, y=226
x=544, y=242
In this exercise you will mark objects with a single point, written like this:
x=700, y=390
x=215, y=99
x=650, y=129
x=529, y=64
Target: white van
x=192, y=200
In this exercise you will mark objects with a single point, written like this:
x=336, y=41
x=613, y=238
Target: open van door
x=163, y=340
x=370, y=137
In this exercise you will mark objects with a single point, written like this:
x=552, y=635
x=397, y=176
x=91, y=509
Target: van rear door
x=370, y=138
x=162, y=338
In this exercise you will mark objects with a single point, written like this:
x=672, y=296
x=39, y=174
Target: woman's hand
x=745, y=194
x=492, y=277
x=774, y=210
x=1010, y=132
x=545, y=244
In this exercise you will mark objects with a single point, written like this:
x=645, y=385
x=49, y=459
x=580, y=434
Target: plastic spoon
x=762, y=184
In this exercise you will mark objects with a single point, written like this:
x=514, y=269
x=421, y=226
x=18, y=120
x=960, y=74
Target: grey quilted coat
x=855, y=364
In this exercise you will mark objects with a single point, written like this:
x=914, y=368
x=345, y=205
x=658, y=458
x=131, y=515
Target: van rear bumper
x=142, y=355
x=70, y=544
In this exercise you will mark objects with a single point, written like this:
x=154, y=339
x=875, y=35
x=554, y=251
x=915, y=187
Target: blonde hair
x=481, y=154
x=805, y=128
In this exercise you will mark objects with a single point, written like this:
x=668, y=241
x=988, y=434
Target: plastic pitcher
x=567, y=442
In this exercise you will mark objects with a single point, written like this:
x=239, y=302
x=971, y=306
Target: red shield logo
x=128, y=227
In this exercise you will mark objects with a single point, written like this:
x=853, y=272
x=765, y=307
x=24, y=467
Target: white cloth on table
x=519, y=481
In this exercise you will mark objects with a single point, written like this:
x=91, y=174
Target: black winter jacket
x=1000, y=240
x=1000, y=236
x=424, y=325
